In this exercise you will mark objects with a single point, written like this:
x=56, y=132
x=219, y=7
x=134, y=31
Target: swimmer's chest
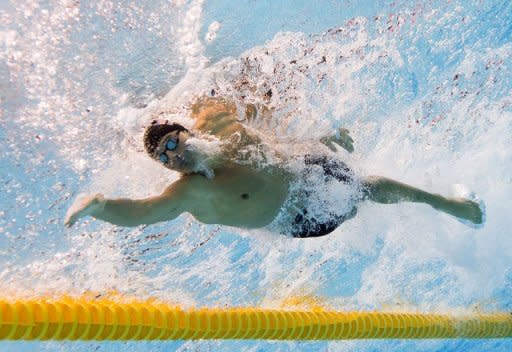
x=239, y=196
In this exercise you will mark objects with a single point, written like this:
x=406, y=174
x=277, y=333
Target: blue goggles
x=170, y=145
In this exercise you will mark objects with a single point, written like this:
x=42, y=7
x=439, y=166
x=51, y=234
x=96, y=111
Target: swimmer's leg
x=386, y=191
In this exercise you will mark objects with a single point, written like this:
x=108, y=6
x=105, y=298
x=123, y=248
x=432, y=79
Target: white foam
x=213, y=28
x=189, y=45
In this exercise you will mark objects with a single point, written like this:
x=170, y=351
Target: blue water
x=425, y=90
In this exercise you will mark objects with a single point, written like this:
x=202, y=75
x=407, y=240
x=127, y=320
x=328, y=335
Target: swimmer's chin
x=200, y=163
x=199, y=167
x=206, y=172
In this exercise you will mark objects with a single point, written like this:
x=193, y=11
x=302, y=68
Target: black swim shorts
x=307, y=226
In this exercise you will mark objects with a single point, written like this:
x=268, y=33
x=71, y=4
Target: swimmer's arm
x=341, y=138
x=208, y=106
x=126, y=212
x=220, y=118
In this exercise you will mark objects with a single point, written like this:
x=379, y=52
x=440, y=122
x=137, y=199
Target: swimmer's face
x=175, y=154
x=171, y=151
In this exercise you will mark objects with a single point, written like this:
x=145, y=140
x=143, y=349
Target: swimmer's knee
x=369, y=184
x=374, y=188
x=373, y=183
x=373, y=180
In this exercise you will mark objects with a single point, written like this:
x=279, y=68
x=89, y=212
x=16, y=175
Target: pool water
x=424, y=88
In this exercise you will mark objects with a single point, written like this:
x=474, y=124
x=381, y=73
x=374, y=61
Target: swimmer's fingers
x=347, y=145
x=341, y=138
x=251, y=112
x=83, y=207
x=71, y=220
x=344, y=134
x=328, y=142
x=344, y=140
x=331, y=146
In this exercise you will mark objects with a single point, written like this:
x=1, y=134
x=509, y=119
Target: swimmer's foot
x=470, y=212
x=465, y=210
x=472, y=207
x=83, y=207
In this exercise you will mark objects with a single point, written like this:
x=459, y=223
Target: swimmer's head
x=165, y=143
x=175, y=147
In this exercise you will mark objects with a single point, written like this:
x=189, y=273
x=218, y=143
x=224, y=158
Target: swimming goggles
x=170, y=145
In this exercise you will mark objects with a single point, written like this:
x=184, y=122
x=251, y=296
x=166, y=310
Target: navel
x=244, y=196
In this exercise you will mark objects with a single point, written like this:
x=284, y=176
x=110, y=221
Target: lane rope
x=104, y=319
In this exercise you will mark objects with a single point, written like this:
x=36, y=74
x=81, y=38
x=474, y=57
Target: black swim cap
x=155, y=132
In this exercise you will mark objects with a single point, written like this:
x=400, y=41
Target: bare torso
x=237, y=196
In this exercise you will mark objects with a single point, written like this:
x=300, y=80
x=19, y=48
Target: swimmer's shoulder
x=194, y=187
x=187, y=184
x=229, y=175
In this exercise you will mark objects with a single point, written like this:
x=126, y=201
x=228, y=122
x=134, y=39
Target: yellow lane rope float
x=87, y=319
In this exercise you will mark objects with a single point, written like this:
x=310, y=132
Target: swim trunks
x=305, y=224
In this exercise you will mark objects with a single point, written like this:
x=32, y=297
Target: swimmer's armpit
x=341, y=138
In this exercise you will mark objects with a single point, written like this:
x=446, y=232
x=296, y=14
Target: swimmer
x=221, y=187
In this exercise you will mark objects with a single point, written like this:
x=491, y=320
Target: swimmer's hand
x=88, y=205
x=341, y=138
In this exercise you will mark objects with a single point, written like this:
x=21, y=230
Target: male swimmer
x=226, y=188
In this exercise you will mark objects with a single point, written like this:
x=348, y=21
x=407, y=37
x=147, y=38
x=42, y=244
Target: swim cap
x=154, y=134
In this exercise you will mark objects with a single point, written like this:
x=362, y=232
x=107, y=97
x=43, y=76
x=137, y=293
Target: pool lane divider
x=104, y=319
